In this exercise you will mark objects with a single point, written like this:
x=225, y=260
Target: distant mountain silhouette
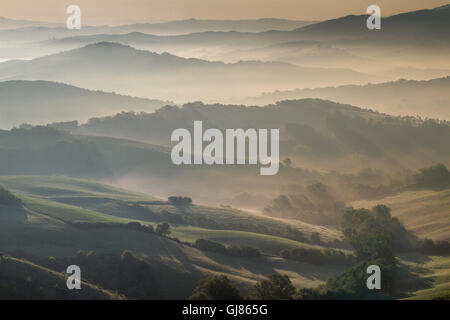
x=44, y=30
x=115, y=67
x=421, y=24
x=6, y=23
x=198, y=25
x=433, y=23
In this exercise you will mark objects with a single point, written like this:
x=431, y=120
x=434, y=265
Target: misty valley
x=243, y=159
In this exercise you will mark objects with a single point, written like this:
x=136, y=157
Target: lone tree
x=180, y=201
x=215, y=288
x=315, y=237
x=276, y=287
x=163, y=229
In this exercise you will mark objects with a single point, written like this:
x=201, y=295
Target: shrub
x=243, y=251
x=315, y=237
x=316, y=256
x=208, y=245
x=163, y=229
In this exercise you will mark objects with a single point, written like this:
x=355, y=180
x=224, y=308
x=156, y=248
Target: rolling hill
x=115, y=67
x=47, y=151
x=427, y=99
x=133, y=150
x=38, y=231
x=46, y=226
x=309, y=129
x=29, y=281
x=41, y=102
x=435, y=271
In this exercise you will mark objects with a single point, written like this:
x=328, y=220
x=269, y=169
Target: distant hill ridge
x=424, y=98
x=38, y=102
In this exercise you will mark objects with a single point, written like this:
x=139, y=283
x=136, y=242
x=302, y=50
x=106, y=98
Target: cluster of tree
x=316, y=128
x=352, y=284
x=215, y=288
x=275, y=287
x=313, y=204
x=428, y=246
x=97, y=225
x=143, y=213
x=8, y=199
x=316, y=256
x=323, y=201
x=375, y=234
x=180, y=201
x=162, y=229
x=233, y=250
x=436, y=176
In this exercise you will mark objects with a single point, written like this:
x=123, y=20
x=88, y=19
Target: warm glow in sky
x=123, y=11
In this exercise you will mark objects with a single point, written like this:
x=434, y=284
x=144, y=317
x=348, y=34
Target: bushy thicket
x=215, y=288
x=232, y=250
x=316, y=256
x=436, y=176
x=136, y=226
x=375, y=234
x=428, y=246
x=322, y=202
x=180, y=201
x=275, y=287
x=313, y=204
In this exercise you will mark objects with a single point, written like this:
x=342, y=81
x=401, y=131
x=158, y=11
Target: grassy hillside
x=73, y=200
x=41, y=102
x=44, y=227
x=21, y=279
x=60, y=186
x=425, y=212
x=432, y=271
x=49, y=151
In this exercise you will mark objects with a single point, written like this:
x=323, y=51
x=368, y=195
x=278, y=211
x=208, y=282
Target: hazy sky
x=122, y=11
